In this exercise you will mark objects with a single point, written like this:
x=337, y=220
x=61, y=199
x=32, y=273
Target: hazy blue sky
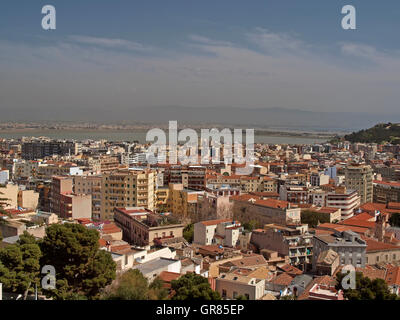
x=254, y=54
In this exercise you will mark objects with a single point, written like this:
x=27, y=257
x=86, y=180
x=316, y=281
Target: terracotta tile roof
x=102, y=242
x=360, y=220
x=393, y=276
x=248, y=261
x=373, y=245
x=290, y=269
x=272, y=203
x=121, y=247
x=341, y=228
x=282, y=279
x=372, y=273
x=167, y=276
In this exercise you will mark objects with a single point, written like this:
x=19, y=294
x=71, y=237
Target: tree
x=241, y=297
x=251, y=225
x=366, y=289
x=82, y=270
x=188, y=233
x=132, y=285
x=394, y=219
x=192, y=286
x=313, y=218
x=157, y=291
x=19, y=265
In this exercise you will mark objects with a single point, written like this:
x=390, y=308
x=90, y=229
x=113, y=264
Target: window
x=247, y=296
x=223, y=293
x=234, y=294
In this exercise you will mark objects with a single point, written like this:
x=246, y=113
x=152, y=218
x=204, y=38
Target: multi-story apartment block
x=192, y=177
x=25, y=169
x=251, y=207
x=385, y=192
x=183, y=201
x=223, y=232
x=293, y=194
x=90, y=185
x=346, y=200
x=46, y=170
x=40, y=149
x=9, y=192
x=141, y=226
x=318, y=179
x=65, y=203
x=211, y=206
x=231, y=286
x=348, y=244
x=359, y=178
x=127, y=188
x=292, y=241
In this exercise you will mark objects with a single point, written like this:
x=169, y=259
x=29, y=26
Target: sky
x=228, y=53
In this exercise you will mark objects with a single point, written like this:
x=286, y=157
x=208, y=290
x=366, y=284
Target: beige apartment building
x=183, y=201
x=28, y=199
x=249, y=207
x=231, y=286
x=141, y=226
x=359, y=178
x=10, y=193
x=127, y=188
x=90, y=185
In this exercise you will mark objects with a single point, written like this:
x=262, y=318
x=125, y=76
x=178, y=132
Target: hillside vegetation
x=383, y=132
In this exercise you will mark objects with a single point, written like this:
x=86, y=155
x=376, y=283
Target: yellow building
x=127, y=188
x=162, y=199
x=182, y=201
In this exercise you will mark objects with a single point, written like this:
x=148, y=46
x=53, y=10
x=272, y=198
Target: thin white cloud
x=113, y=43
x=267, y=69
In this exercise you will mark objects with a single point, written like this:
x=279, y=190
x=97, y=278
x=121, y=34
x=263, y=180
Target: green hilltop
x=381, y=133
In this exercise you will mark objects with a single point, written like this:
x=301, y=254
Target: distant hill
x=383, y=132
x=269, y=118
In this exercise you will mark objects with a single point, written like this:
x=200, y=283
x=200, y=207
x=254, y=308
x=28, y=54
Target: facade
x=348, y=244
x=211, y=206
x=230, y=286
x=345, y=200
x=359, y=178
x=294, y=242
x=10, y=193
x=59, y=186
x=319, y=179
x=90, y=185
x=385, y=192
x=126, y=188
x=67, y=204
x=183, y=201
x=141, y=226
x=247, y=208
x=28, y=199
x=294, y=194
x=40, y=149
x=224, y=232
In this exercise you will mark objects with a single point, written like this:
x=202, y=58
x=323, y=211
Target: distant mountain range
x=269, y=118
